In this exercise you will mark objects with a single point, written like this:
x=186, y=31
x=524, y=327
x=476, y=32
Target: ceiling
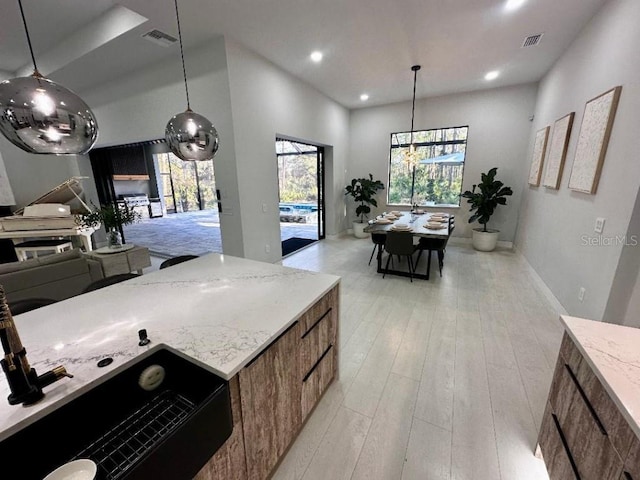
x=368, y=45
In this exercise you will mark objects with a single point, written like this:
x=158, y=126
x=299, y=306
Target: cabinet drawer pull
x=586, y=400
x=566, y=446
x=315, y=365
x=316, y=323
x=627, y=476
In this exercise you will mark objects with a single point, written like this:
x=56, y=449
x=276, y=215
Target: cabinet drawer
x=317, y=380
x=315, y=342
x=585, y=435
x=328, y=303
x=603, y=409
x=557, y=458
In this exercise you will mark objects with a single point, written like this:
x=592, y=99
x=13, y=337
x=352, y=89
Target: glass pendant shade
x=40, y=116
x=191, y=136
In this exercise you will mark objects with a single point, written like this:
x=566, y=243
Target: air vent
x=161, y=38
x=532, y=40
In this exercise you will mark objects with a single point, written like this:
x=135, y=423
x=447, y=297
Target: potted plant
x=363, y=190
x=112, y=216
x=490, y=193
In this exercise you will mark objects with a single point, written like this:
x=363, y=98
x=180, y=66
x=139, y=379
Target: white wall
x=267, y=102
x=553, y=223
x=499, y=127
x=138, y=107
x=31, y=175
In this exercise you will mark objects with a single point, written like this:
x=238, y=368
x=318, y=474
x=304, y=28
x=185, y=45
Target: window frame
x=426, y=144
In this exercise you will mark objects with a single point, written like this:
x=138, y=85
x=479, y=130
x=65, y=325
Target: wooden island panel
x=270, y=397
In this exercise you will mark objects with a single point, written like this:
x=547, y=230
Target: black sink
x=167, y=433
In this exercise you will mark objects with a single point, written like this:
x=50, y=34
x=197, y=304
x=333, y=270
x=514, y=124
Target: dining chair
x=438, y=245
x=107, y=281
x=176, y=260
x=27, y=304
x=401, y=244
x=378, y=240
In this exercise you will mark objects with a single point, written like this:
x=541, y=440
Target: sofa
x=58, y=276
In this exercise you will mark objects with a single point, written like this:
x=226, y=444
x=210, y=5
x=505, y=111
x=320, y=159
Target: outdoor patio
x=195, y=233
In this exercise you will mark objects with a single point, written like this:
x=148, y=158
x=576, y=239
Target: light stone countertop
x=613, y=352
x=219, y=310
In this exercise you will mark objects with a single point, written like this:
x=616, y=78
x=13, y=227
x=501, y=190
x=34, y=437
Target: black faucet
x=25, y=384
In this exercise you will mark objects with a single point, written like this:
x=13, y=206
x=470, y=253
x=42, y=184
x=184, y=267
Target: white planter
x=485, y=241
x=358, y=230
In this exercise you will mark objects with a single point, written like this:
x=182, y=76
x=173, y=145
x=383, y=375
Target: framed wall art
x=595, y=132
x=558, y=151
x=539, y=149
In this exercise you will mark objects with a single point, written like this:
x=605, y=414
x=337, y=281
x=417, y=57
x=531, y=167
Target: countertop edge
x=631, y=421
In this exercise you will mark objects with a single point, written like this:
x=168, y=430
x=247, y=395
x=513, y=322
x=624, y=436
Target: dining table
x=417, y=226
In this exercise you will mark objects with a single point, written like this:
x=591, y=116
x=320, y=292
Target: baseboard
x=546, y=291
x=467, y=241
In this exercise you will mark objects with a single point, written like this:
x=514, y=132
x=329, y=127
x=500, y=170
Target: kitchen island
x=269, y=330
x=591, y=425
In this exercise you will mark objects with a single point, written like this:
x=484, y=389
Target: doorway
x=301, y=193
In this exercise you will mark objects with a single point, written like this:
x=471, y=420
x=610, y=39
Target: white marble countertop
x=613, y=352
x=221, y=311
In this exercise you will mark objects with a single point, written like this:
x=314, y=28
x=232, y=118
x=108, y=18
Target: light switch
x=264, y=208
x=599, y=225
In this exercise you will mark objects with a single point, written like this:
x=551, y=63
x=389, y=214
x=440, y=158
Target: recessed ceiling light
x=492, y=75
x=512, y=5
x=364, y=97
x=316, y=56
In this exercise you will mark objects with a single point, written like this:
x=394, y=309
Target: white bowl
x=82, y=469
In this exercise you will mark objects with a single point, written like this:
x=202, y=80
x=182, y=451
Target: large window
x=436, y=178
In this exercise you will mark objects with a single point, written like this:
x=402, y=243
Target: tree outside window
x=437, y=177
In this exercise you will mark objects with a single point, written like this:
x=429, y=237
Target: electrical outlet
x=599, y=225
x=267, y=248
x=581, y=294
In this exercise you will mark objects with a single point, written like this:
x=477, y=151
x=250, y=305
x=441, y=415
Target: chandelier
x=190, y=136
x=43, y=117
x=411, y=155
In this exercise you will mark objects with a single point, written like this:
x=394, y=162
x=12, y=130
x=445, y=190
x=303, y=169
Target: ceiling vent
x=161, y=38
x=532, y=40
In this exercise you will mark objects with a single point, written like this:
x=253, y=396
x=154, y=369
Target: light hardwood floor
x=439, y=379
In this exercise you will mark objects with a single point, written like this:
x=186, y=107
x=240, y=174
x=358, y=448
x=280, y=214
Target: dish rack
x=122, y=446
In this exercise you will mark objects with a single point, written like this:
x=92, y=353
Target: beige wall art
x=595, y=131
x=558, y=151
x=539, y=150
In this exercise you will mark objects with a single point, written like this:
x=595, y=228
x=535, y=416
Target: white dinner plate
x=435, y=226
x=82, y=469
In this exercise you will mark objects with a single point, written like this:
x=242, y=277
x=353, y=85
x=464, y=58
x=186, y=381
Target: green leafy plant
x=490, y=194
x=110, y=216
x=363, y=190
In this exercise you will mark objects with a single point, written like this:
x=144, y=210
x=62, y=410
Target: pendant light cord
x=26, y=31
x=184, y=70
x=415, y=69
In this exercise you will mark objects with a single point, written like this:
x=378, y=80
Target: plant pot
x=485, y=241
x=358, y=230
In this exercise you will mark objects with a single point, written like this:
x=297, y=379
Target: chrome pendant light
x=40, y=116
x=190, y=136
x=411, y=156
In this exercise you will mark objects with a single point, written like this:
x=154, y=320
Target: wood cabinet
x=631, y=469
x=270, y=393
x=594, y=436
x=274, y=394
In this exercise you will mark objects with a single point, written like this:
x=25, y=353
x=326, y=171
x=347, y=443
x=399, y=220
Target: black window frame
x=426, y=144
